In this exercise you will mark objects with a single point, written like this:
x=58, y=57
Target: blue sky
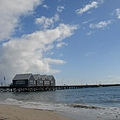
x=76, y=41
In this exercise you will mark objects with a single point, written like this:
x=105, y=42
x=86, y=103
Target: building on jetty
x=36, y=82
x=44, y=80
x=23, y=80
x=31, y=80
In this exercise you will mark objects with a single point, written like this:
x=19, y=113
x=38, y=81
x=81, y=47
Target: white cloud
x=46, y=22
x=19, y=55
x=10, y=11
x=27, y=53
x=117, y=11
x=60, y=44
x=93, y=4
x=60, y=55
x=89, y=54
x=54, y=61
x=90, y=32
x=45, y=6
x=86, y=22
x=101, y=24
x=60, y=8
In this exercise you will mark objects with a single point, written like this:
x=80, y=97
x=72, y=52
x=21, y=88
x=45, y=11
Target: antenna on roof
x=27, y=71
x=4, y=80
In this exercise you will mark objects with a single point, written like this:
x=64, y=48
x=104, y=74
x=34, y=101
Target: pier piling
x=49, y=88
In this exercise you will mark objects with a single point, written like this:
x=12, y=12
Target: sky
x=77, y=41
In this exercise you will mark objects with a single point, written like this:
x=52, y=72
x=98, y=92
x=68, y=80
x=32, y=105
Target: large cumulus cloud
x=26, y=53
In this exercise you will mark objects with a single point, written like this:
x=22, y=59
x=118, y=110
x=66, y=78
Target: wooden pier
x=49, y=88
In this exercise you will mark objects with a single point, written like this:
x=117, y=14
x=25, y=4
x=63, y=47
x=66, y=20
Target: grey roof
x=43, y=77
x=36, y=76
x=22, y=76
x=49, y=77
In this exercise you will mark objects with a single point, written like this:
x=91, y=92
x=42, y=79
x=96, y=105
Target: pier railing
x=49, y=88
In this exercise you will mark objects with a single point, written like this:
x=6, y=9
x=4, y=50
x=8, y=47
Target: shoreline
x=16, y=112
x=13, y=112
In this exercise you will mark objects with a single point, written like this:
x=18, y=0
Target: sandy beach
x=12, y=112
x=8, y=112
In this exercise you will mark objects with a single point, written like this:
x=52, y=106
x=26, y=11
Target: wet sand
x=11, y=112
x=8, y=112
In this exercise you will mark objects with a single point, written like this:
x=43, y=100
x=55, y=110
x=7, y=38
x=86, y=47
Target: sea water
x=70, y=100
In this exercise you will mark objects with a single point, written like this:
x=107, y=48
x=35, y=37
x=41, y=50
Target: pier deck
x=49, y=88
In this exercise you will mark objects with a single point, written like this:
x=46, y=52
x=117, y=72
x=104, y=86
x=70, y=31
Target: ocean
x=71, y=101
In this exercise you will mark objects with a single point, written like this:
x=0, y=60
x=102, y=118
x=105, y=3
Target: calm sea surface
x=102, y=96
x=65, y=101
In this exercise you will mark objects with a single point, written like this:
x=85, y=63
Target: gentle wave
x=85, y=106
x=35, y=105
x=13, y=101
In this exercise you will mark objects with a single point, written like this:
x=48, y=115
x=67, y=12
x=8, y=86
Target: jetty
x=49, y=88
